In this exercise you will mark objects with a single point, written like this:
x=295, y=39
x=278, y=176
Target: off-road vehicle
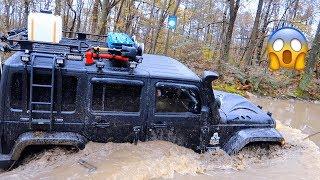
x=81, y=90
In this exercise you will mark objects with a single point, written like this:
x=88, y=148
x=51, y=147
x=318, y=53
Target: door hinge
x=215, y=139
x=203, y=137
x=136, y=130
x=204, y=129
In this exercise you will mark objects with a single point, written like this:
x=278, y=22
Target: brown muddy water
x=297, y=159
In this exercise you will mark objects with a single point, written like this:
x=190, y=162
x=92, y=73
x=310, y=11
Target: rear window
x=116, y=97
x=177, y=100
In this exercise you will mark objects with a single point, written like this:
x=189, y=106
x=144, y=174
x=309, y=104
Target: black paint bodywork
x=231, y=116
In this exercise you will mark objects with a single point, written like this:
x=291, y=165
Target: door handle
x=159, y=125
x=101, y=125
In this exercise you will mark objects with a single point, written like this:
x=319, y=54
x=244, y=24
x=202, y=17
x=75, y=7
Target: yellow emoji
x=287, y=47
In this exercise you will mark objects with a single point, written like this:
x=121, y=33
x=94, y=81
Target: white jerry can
x=44, y=27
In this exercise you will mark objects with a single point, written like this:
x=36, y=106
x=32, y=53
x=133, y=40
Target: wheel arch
x=246, y=136
x=42, y=138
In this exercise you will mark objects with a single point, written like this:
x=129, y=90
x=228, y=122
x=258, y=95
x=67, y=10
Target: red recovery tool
x=94, y=53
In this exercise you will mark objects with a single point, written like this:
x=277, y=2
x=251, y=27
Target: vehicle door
x=116, y=109
x=174, y=114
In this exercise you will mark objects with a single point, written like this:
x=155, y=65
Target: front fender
x=246, y=136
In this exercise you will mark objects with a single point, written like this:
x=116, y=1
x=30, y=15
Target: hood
x=236, y=109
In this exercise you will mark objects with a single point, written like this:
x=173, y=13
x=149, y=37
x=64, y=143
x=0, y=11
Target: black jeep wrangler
x=51, y=94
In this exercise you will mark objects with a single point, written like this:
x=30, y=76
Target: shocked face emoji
x=287, y=47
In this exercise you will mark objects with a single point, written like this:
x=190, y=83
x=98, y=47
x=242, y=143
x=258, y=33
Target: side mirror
x=209, y=76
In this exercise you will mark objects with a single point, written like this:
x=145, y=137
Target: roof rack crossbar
x=22, y=45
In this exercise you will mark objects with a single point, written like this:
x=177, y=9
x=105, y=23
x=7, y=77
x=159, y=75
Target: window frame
x=176, y=86
x=117, y=81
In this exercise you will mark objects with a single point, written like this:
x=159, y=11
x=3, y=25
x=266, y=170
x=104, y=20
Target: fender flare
x=44, y=138
x=246, y=136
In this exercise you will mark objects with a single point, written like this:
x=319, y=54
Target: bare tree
x=312, y=57
x=263, y=31
x=233, y=10
x=150, y=23
x=57, y=9
x=164, y=14
x=26, y=4
x=7, y=6
x=168, y=32
x=118, y=15
x=69, y=3
x=251, y=45
x=94, y=16
x=107, y=5
x=80, y=5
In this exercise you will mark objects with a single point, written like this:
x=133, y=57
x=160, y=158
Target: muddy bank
x=297, y=159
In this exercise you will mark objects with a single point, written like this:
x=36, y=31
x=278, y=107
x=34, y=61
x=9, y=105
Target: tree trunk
x=253, y=38
x=66, y=16
x=107, y=5
x=263, y=32
x=168, y=32
x=233, y=10
x=118, y=16
x=26, y=13
x=57, y=9
x=163, y=16
x=94, y=20
x=150, y=24
x=7, y=5
x=80, y=5
x=70, y=2
x=312, y=57
x=104, y=16
x=129, y=17
x=222, y=33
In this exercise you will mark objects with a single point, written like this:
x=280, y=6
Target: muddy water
x=297, y=159
x=301, y=115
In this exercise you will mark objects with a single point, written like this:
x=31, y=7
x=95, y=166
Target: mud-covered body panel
x=236, y=109
x=243, y=137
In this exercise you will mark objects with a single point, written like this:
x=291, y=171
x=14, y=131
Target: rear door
x=174, y=114
x=116, y=111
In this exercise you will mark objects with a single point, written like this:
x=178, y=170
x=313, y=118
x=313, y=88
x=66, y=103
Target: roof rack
x=94, y=51
x=17, y=41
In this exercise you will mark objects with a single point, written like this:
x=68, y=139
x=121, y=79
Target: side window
x=116, y=97
x=16, y=87
x=178, y=100
x=69, y=91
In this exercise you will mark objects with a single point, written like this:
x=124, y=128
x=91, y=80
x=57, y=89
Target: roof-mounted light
x=25, y=57
x=74, y=57
x=60, y=61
